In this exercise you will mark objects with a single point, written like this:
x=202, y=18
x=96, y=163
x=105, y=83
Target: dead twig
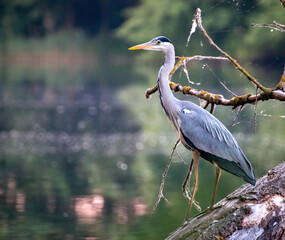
x=275, y=26
x=160, y=194
x=181, y=61
x=186, y=187
x=217, y=99
x=239, y=111
x=150, y=91
x=255, y=111
x=198, y=17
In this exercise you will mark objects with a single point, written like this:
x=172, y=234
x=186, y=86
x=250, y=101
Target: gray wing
x=214, y=141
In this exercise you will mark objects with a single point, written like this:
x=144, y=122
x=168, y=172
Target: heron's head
x=157, y=44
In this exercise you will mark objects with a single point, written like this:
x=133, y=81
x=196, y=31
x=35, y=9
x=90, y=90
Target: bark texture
x=250, y=212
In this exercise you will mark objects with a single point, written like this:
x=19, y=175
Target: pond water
x=82, y=158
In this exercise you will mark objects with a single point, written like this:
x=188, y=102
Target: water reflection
x=89, y=207
x=65, y=157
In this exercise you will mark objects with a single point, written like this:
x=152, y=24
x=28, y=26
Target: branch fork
x=267, y=93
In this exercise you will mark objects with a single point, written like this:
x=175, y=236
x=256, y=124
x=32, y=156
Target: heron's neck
x=168, y=101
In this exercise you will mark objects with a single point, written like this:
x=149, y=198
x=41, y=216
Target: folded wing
x=205, y=133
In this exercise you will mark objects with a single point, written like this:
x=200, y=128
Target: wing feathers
x=207, y=134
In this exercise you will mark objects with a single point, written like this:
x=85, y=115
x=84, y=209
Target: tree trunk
x=250, y=212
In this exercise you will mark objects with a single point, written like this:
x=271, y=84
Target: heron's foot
x=208, y=210
x=185, y=223
x=200, y=214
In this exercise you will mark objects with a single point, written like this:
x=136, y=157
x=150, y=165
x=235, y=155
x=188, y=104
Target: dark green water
x=82, y=158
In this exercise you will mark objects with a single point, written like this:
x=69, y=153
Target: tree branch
x=160, y=194
x=254, y=212
x=267, y=93
x=184, y=60
x=219, y=99
x=275, y=26
x=234, y=62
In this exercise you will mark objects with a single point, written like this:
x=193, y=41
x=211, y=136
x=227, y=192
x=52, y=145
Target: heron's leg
x=196, y=156
x=218, y=175
x=187, y=179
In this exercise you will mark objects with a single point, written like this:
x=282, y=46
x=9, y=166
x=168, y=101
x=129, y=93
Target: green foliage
x=153, y=18
x=227, y=22
x=268, y=43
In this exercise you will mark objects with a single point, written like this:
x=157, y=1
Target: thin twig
x=230, y=91
x=278, y=93
x=193, y=29
x=255, y=111
x=278, y=24
x=185, y=60
x=234, y=62
x=213, y=107
x=150, y=91
x=239, y=111
x=186, y=188
x=160, y=194
x=203, y=103
x=180, y=157
x=275, y=26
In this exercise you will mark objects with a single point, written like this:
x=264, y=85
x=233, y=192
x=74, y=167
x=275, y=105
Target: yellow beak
x=146, y=45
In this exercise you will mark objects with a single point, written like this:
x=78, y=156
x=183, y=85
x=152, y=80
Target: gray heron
x=199, y=131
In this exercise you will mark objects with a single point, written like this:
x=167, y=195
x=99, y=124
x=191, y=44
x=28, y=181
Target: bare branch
x=217, y=99
x=278, y=24
x=239, y=111
x=224, y=85
x=239, y=215
x=275, y=26
x=186, y=188
x=213, y=107
x=234, y=62
x=160, y=194
x=150, y=91
x=255, y=111
x=196, y=57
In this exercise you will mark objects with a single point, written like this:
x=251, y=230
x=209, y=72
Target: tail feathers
x=229, y=166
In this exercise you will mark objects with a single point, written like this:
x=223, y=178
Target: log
x=250, y=212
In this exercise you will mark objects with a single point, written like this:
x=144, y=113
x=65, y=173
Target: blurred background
x=82, y=151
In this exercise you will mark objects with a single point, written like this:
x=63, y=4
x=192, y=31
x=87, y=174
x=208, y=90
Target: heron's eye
x=158, y=42
x=186, y=111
